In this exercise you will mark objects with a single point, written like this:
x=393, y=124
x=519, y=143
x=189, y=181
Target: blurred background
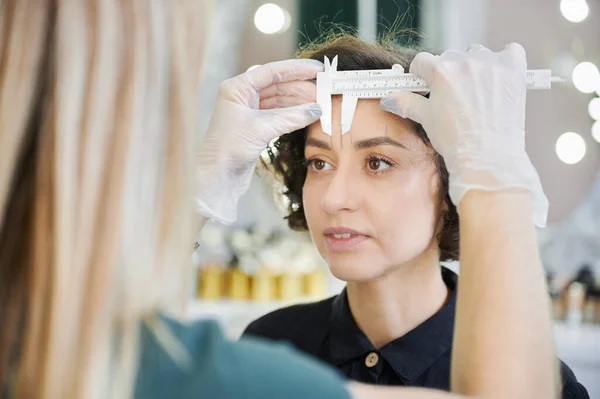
x=258, y=264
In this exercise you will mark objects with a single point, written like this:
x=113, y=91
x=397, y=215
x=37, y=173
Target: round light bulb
x=594, y=108
x=570, y=148
x=586, y=77
x=271, y=18
x=596, y=131
x=574, y=10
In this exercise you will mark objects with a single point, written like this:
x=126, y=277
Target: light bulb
x=271, y=18
x=570, y=148
x=594, y=108
x=574, y=10
x=586, y=77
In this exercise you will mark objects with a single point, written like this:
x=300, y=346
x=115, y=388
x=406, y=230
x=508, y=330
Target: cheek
x=311, y=198
x=406, y=212
x=313, y=212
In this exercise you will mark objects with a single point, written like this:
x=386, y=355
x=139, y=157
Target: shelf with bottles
x=257, y=265
x=577, y=301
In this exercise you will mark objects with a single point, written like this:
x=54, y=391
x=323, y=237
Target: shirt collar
x=346, y=340
x=410, y=355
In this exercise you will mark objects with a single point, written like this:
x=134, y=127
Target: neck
x=392, y=305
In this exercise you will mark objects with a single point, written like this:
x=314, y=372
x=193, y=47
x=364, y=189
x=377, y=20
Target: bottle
x=575, y=303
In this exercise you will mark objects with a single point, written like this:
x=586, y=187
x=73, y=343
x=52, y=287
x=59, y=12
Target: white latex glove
x=475, y=118
x=252, y=109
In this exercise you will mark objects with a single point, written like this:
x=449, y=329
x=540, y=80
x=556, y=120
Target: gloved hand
x=251, y=110
x=475, y=118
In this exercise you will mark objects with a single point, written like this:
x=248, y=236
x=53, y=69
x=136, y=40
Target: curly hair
x=286, y=154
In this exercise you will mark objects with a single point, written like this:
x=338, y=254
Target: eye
x=377, y=164
x=318, y=164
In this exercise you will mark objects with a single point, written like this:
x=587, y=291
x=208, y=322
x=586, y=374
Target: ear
x=436, y=187
x=444, y=205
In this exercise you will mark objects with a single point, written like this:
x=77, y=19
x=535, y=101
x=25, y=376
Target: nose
x=342, y=193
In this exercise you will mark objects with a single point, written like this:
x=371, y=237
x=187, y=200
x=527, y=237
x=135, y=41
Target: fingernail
x=314, y=111
x=388, y=104
x=313, y=62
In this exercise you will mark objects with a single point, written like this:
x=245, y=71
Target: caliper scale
x=378, y=83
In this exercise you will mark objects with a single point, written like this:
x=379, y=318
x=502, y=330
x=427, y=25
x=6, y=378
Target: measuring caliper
x=378, y=83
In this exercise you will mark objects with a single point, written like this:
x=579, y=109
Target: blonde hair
x=97, y=110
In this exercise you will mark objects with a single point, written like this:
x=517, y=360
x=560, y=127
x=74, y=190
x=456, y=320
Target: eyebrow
x=359, y=145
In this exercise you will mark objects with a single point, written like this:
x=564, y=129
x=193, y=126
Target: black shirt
x=420, y=358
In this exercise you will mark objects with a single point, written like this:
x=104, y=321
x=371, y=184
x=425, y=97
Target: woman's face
x=371, y=196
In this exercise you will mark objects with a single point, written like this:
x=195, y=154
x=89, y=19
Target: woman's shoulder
x=167, y=348
x=293, y=323
x=195, y=360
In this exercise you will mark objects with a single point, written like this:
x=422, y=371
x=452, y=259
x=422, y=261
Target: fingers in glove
x=424, y=65
x=286, y=120
x=282, y=71
x=283, y=102
x=306, y=90
x=514, y=56
x=476, y=47
x=405, y=104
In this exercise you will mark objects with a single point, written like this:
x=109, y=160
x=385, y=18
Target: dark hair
x=287, y=152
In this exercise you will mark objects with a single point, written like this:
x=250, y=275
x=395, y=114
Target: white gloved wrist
x=492, y=169
x=221, y=190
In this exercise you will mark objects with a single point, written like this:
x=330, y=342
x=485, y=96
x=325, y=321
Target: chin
x=354, y=268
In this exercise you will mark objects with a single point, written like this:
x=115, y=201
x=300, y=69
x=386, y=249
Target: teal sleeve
x=227, y=370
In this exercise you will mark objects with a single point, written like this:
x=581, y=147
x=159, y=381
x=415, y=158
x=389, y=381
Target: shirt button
x=371, y=359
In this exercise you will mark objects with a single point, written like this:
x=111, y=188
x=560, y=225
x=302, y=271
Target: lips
x=344, y=239
x=343, y=231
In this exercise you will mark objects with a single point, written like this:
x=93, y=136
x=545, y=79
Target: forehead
x=369, y=121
